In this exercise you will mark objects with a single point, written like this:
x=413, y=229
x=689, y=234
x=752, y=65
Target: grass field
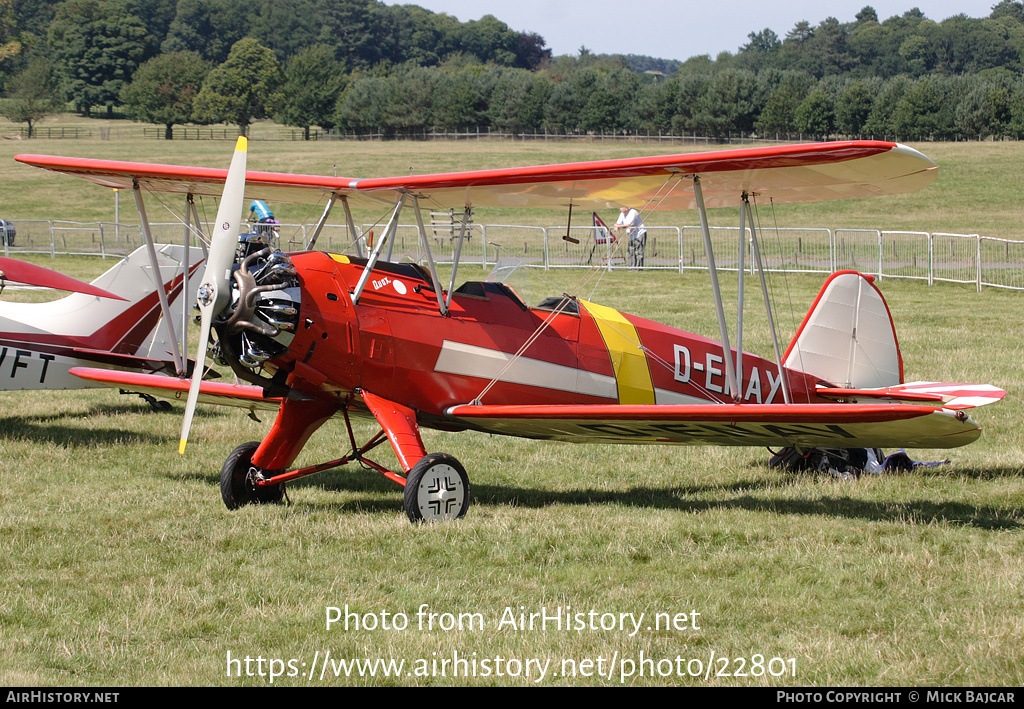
x=123, y=568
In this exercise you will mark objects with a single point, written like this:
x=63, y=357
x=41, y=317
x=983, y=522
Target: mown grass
x=123, y=568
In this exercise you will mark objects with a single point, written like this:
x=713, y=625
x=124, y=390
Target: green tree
x=209, y=27
x=566, y=101
x=314, y=83
x=985, y=110
x=242, y=89
x=779, y=113
x=652, y=110
x=609, y=104
x=461, y=98
x=364, y=104
x=9, y=45
x=685, y=91
x=730, y=103
x=923, y=112
x=917, y=52
x=853, y=109
x=491, y=40
x=285, y=26
x=826, y=51
x=815, y=115
x=98, y=45
x=867, y=14
x=517, y=102
x=411, y=97
x=164, y=89
x=1015, y=123
x=880, y=118
x=353, y=28
x=1013, y=9
x=32, y=94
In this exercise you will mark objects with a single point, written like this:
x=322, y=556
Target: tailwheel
x=437, y=488
x=237, y=485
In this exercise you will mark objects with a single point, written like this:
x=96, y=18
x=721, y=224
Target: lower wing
x=884, y=425
x=172, y=388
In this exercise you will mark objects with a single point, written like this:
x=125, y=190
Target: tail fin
x=847, y=337
x=134, y=278
x=158, y=344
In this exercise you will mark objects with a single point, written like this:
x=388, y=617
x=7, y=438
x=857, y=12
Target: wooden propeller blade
x=216, y=282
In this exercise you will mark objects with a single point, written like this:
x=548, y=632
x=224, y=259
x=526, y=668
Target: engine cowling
x=263, y=314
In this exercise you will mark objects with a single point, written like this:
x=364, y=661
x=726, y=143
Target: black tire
x=436, y=489
x=235, y=488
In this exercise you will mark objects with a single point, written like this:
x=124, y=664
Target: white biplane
x=130, y=318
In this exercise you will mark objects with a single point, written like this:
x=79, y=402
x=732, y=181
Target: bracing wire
x=771, y=281
x=596, y=270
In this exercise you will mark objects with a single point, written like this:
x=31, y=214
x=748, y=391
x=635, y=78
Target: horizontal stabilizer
x=12, y=269
x=939, y=394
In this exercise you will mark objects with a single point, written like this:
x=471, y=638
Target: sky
x=676, y=29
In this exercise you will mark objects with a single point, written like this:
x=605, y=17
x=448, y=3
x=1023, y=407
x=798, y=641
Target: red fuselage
x=396, y=344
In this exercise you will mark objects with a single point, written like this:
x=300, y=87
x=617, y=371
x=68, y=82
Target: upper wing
x=787, y=173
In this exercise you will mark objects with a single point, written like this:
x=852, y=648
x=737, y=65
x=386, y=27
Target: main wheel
x=437, y=488
x=236, y=487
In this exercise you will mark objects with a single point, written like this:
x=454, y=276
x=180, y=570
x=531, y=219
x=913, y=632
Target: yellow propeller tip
x=242, y=144
x=181, y=446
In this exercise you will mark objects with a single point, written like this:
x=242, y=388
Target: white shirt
x=632, y=220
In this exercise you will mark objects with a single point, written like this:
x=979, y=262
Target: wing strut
x=165, y=308
x=430, y=257
x=323, y=220
x=386, y=237
x=352, y=227
x=187, y=239
x=730, y=370
x=741, y=252
x=458, y=254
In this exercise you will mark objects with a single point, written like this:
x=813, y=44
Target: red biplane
x=319, y=335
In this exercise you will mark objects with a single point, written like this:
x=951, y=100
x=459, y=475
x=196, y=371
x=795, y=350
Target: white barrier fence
x=931, y=257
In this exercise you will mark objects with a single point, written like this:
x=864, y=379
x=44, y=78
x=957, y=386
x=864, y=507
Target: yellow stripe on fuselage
x=629, y=362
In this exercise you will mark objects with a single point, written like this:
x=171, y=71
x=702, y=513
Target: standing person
x=629, y=219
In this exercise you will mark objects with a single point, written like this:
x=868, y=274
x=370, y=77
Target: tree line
x=361, y=66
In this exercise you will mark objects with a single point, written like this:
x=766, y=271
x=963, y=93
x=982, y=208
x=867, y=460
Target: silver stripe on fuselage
x=666, y=397
x=473, y=361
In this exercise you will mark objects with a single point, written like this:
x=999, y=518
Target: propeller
x=215, y=288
